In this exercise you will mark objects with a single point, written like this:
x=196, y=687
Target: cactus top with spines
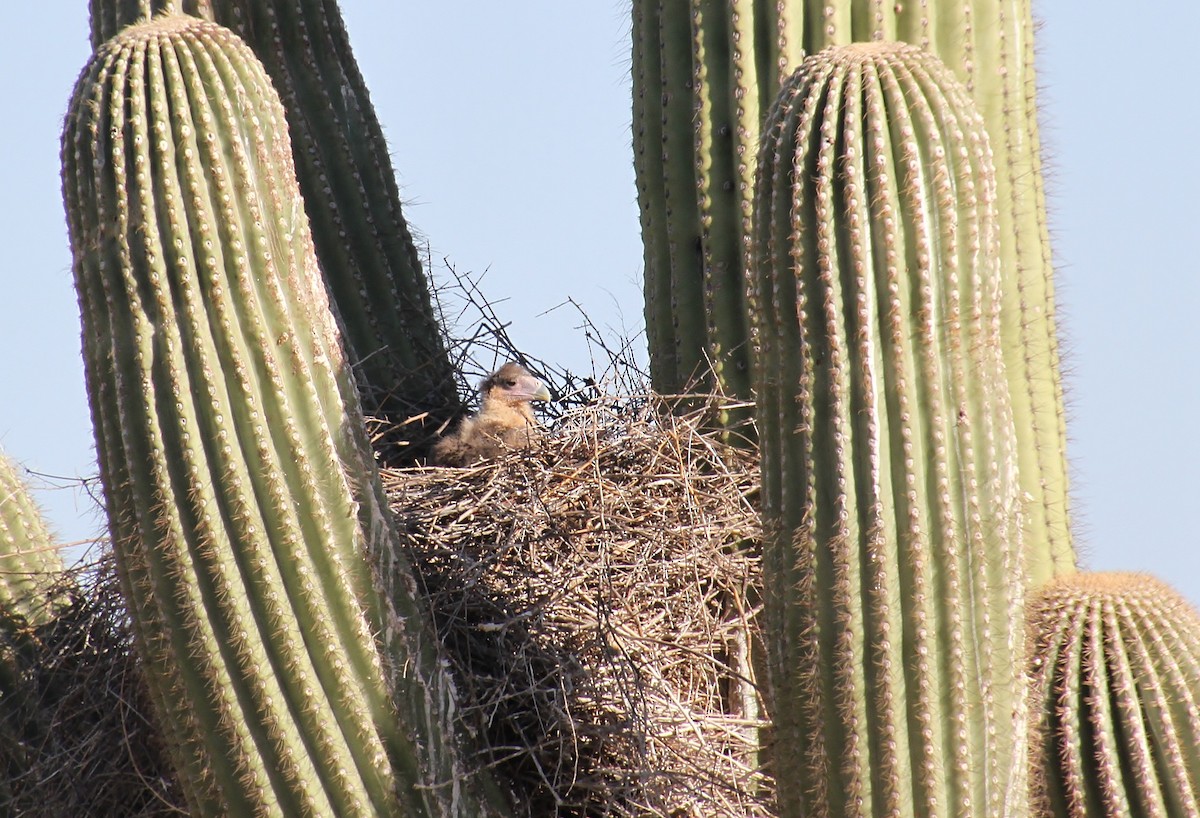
x=1115, y=669
x=364, y=245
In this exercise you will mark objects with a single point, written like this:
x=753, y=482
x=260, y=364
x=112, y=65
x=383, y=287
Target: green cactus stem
x=286, y=656
x=366, y=250
x=29, y=559
x=892, y=553
x=989, y=46
x=1115, y=670
x=703, y=76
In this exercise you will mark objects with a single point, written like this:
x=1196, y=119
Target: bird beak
x=528, y=387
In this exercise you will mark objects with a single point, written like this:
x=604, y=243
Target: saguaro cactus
x=1115, y=665
x=249, y=527
x=363, y=242
x=890, y=501
x=704, y=73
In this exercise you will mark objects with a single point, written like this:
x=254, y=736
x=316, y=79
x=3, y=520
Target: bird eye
x=510, y=383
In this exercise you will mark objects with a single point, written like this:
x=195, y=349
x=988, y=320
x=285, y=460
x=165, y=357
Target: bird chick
x=504, y=421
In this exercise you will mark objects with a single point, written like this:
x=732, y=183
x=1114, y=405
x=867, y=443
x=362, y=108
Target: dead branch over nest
x=597, y=596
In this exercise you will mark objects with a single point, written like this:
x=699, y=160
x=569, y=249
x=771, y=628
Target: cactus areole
x=892, y=553
x=277, y=627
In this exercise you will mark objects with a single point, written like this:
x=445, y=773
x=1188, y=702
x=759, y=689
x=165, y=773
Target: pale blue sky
x=509, y=128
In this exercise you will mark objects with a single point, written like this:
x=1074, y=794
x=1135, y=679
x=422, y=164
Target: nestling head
x=513, y=384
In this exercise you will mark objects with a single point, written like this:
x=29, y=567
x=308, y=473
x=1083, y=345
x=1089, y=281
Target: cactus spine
x=246, y=515
x=890, y=503
x=363, y=242
x=703, y=75
x=1115, y=668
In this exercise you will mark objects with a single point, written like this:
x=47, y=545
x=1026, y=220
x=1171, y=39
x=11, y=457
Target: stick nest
x=77, y=735
x=597, y=595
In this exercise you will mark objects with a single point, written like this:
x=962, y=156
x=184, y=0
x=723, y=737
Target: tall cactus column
x=704, y=74
x=249, y=527
x=890, y=501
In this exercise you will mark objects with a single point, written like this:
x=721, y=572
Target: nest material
x=77, y=737
x=598, y=597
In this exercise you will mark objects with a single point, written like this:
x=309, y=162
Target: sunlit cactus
x=288, y=661
x=1115, y=668
x=892, y=553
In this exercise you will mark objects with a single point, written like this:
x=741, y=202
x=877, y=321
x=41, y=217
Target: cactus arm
x=30, y=566
x=247, y=519
x=989, y=45
x=29, y=557
x=890, y=504
x=198, y=574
